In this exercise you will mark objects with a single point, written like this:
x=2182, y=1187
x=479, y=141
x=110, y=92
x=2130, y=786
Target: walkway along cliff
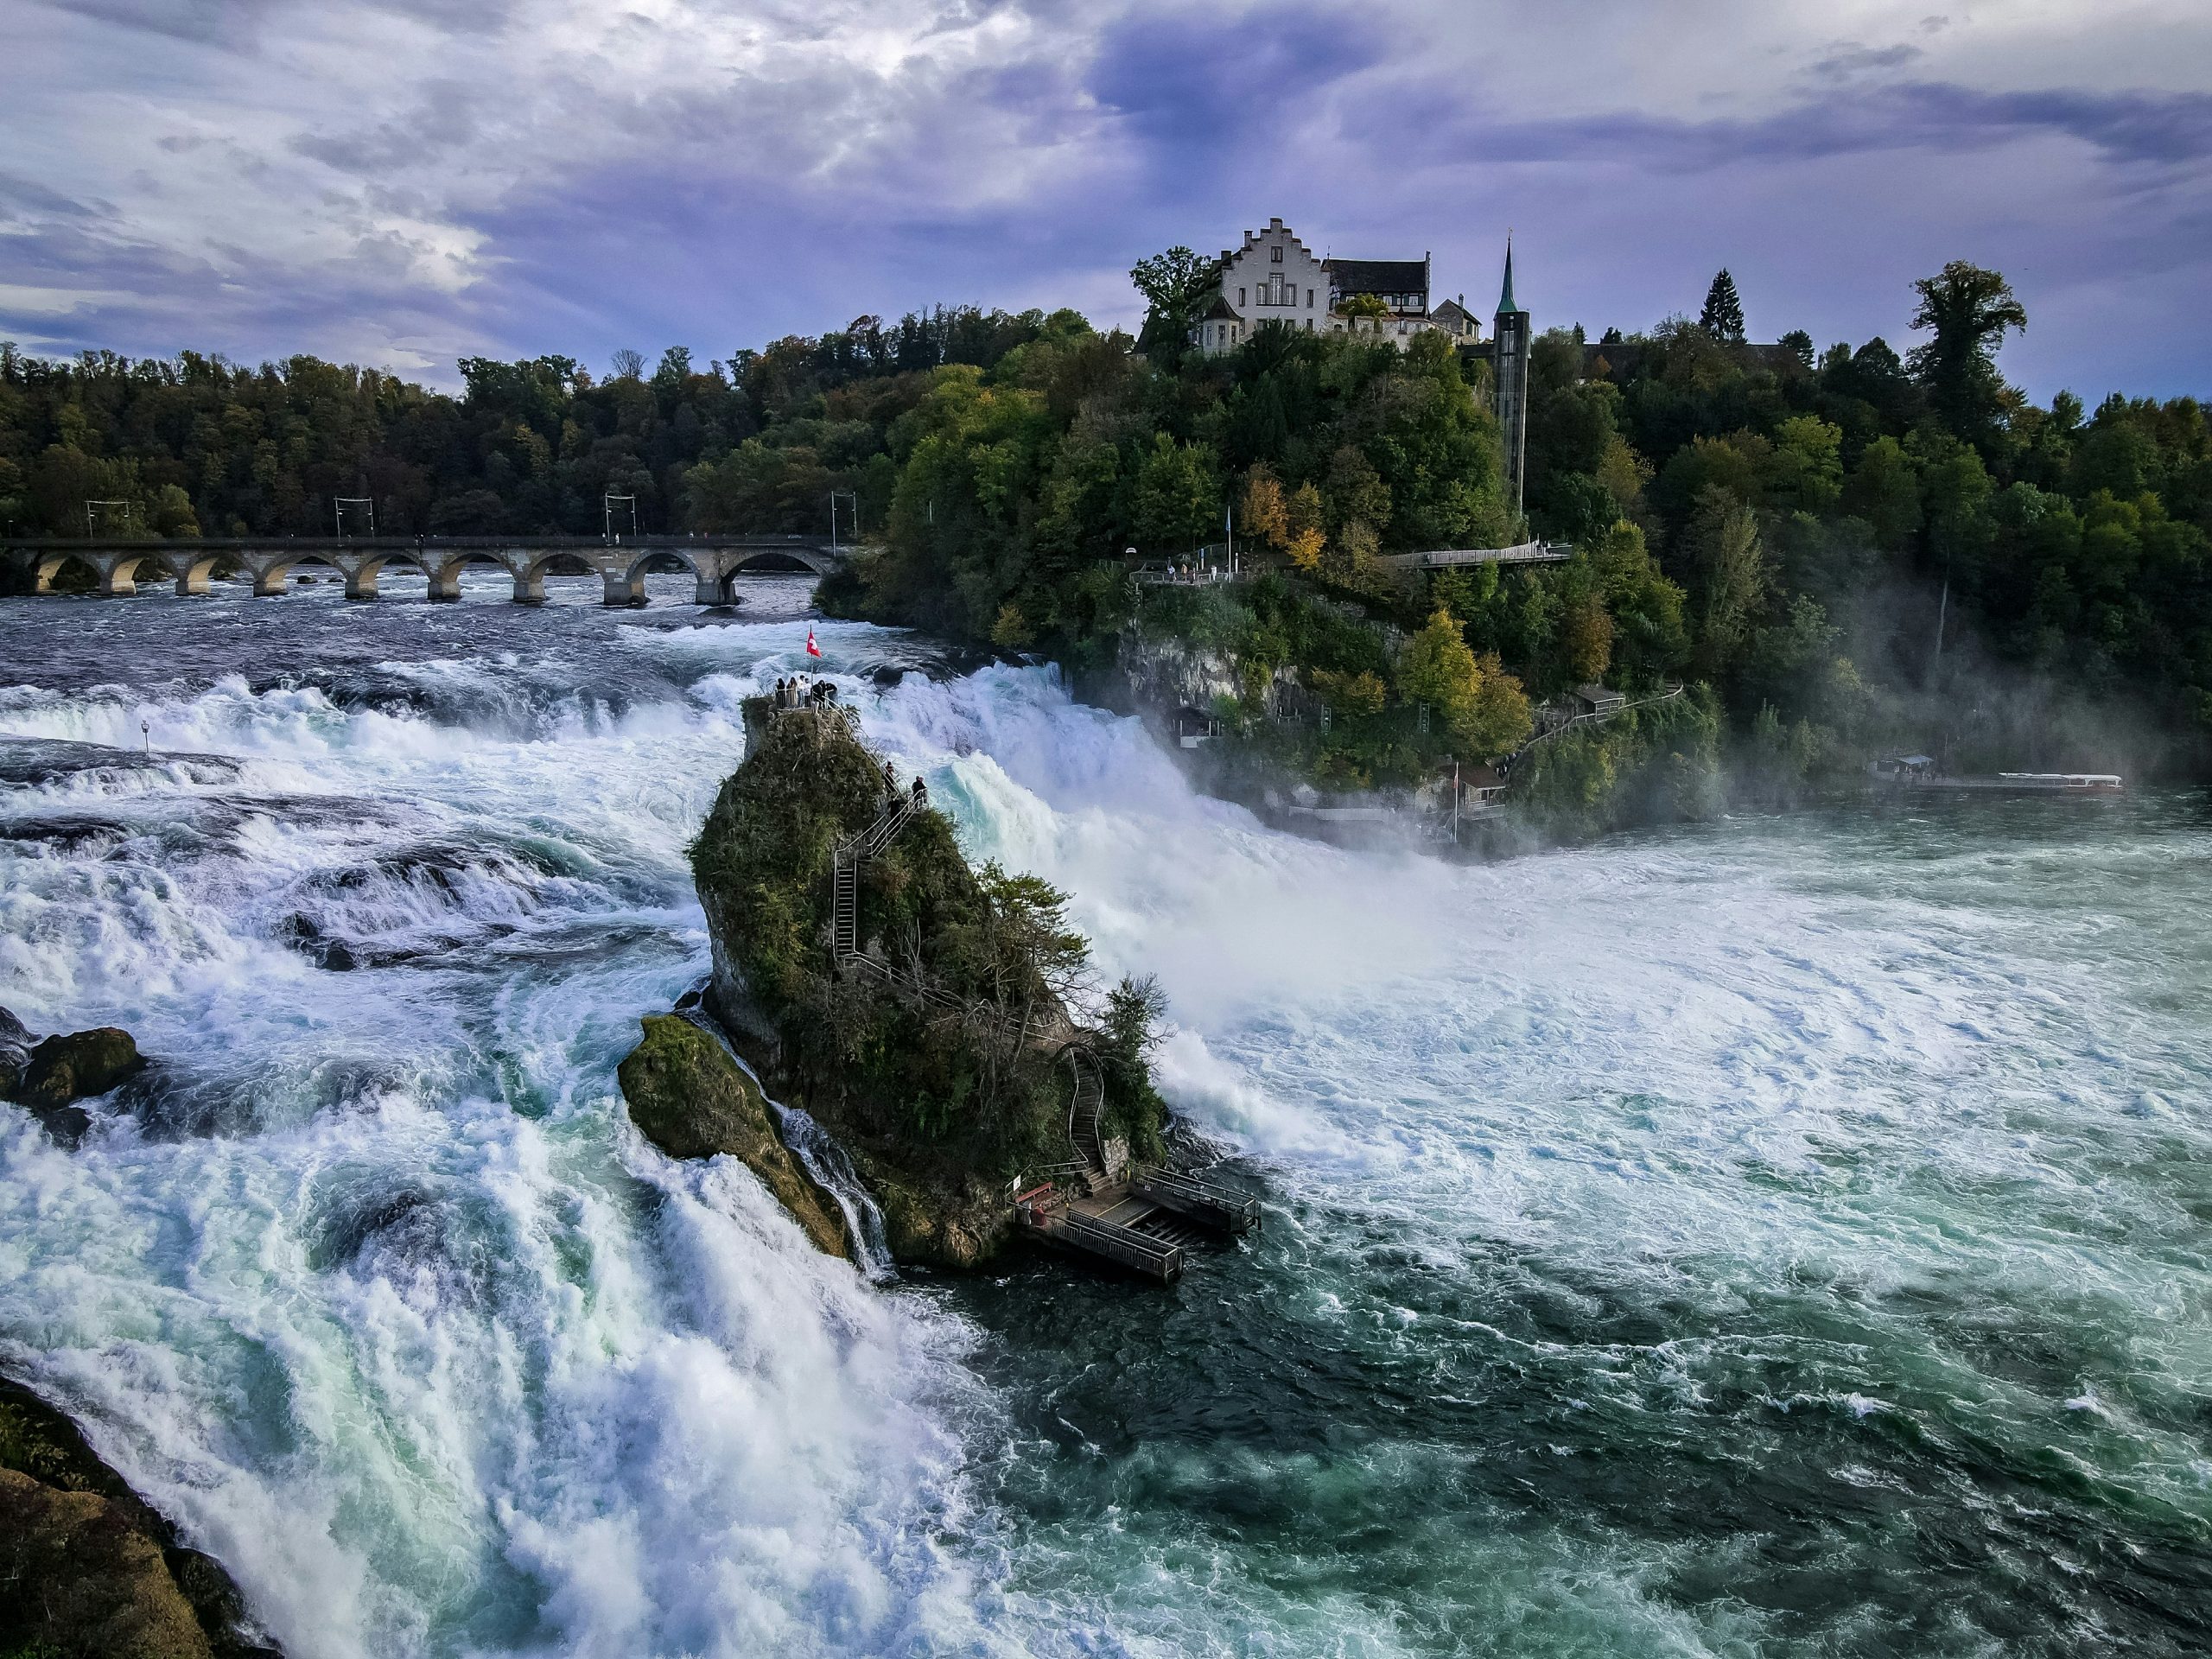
x=942, y=1022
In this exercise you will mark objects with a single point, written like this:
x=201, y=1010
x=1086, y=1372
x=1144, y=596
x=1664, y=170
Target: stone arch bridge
x=713, y=562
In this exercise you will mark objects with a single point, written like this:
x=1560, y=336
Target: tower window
x=1275, y=254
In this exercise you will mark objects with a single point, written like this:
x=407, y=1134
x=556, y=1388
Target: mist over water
x=1772, y=1236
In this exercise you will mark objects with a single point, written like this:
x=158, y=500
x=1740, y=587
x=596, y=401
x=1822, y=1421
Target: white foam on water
x=440, y=1357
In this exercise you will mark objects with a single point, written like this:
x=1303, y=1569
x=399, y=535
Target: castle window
x=1309, y=299
x=1275, y=254
x=1240, y=297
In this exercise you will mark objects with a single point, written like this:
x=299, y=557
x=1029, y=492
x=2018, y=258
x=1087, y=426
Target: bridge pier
x=716, y=590
x=622, y=588
x=530, y=586
x=192, y=577
x=361, y=580
x=445, y=582
x=119, y=575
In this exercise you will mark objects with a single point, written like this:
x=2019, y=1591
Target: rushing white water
x=1725, y=1239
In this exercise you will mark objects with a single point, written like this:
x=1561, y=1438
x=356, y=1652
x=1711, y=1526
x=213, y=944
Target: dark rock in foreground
x=691, y=1099
x=15, y=1044
x=88, y=1568
x=62, y=1071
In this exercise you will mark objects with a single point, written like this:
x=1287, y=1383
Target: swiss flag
x=812, y=650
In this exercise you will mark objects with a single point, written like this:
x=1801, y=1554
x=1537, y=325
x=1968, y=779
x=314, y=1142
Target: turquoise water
x=1782, y=1235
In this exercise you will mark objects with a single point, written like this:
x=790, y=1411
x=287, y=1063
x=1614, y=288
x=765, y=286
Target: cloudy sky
x=405, y=182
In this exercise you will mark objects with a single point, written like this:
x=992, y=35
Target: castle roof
x=1220, y=310
x=1378, y=275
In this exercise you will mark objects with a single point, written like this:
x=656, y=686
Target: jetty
x=1919, y=771
x=1143, y=1222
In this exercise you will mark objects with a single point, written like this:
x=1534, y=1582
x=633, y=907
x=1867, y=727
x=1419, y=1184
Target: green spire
x=1506, y=300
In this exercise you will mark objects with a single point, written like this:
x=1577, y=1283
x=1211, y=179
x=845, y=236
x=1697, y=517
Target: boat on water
x=1919, y=771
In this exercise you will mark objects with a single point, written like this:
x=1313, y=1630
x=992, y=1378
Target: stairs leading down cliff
x=1086, y=1106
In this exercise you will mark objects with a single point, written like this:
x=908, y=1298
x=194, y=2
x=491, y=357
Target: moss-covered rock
x=87, y=1567
x=81, y=1578
x=62, y=1071
x=691, y=1100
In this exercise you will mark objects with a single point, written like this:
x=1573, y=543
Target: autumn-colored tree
x=1586, y=638
x=1302, y=519
x=1482, y=704
x=1363, y=693
x=1263, y=511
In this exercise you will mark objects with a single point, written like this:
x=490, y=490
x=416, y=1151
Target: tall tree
x=1969, y=309
x=1723, y=316
x=1173, y=284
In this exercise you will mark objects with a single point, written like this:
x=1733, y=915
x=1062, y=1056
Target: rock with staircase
x=905, y=1001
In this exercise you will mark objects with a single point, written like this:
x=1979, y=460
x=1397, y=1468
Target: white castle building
x=1274, y=277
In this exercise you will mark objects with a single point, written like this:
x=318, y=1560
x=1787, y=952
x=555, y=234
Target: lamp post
x=91, y=531
x=607, y=504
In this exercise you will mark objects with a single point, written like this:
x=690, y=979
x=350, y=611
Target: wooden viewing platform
x=1143, y=1224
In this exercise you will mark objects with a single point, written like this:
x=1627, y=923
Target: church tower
x=1510, y=374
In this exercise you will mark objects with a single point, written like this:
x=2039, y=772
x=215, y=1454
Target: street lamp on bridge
x=630, y=501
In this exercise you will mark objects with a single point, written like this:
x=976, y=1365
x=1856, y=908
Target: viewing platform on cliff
x=1142, y=1224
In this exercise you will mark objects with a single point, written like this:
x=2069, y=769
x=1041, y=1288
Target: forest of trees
x=1778, y=526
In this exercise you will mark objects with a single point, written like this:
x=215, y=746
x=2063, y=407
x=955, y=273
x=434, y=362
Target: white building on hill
x=1274, y=277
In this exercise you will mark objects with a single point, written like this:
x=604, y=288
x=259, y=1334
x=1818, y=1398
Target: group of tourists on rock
x=800, y=692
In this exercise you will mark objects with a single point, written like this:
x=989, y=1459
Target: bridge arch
x=772, y=560
x=627, y=586
x=192, y=571
x=444, y=568
x=272, y=574
x=69, y=573
x=530, y=574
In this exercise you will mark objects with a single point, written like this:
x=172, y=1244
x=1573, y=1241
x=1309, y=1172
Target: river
x=1781, y=1235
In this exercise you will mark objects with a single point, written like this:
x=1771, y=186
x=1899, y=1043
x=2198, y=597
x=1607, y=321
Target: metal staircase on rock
x=1053, y=1032
x=1086, y=1104
x=845, y=861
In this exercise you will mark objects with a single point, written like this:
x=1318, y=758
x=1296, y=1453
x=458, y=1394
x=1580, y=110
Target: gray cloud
x=1847, y=59
x=408, y=180
x=1943, y=118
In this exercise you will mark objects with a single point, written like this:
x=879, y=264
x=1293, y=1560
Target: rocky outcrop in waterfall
x=917, y=1007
